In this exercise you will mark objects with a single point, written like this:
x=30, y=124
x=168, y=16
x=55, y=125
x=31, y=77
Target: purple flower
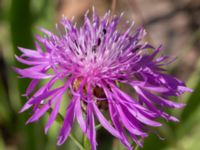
x=92, y=62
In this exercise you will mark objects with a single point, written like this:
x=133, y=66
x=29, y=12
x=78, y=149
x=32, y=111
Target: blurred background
x=173, y=23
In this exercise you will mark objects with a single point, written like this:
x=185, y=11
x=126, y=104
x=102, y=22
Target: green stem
x=86, y=142
x=98, y=126
x=137, y=147
x=75, y=140
x=60, y=119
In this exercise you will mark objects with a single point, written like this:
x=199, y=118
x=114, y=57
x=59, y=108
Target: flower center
x=98, y=94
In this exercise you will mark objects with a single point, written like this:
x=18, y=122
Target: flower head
x=91, y=62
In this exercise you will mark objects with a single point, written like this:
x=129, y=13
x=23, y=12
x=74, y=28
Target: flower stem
x=137, y=147
x=98, y=126
x=86, y=142
x=60, y=119
x=75, y=140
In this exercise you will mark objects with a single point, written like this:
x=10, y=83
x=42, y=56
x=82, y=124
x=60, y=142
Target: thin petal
x=33, y=72
x=67, y=124
x=104, y=122
x=29, y=53
x=54, y=113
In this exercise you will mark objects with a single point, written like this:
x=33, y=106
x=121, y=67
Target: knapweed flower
x=93, y=63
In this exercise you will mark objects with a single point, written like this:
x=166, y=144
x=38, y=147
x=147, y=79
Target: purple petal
x=31, y=87
x=45, y=95
x=79, y=116
x=33, y=72
x=54, y=113
x=116, y=122
x=92, y=130
x=161, y=101
x=67, y=124
x=38, y=113
x=104, y=122
x=27, y=62
x=130, y=126
x=29, y=53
